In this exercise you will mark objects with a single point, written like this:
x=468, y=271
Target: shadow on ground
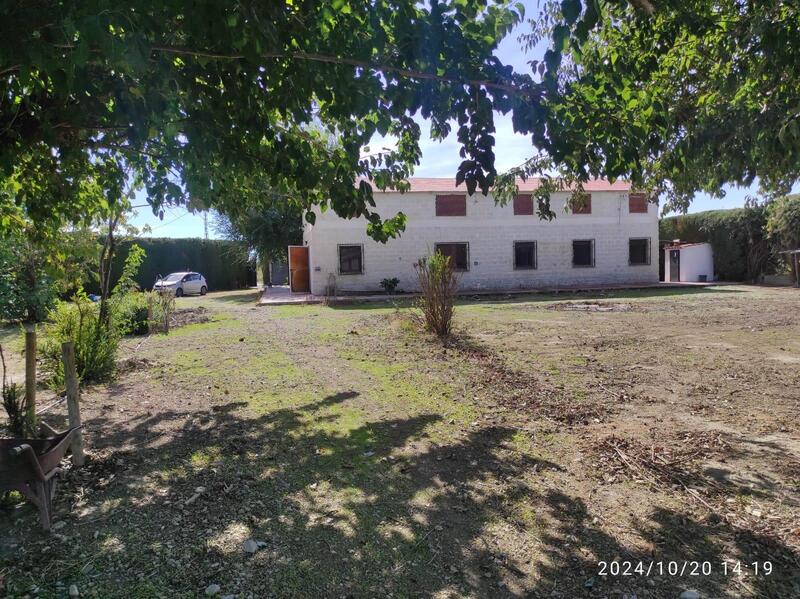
x=355, y=514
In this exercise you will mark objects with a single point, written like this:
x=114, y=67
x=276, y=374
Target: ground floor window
x=524, y=255
x=639, y=251
x=583, y=252
x=457, y=252
x=351, y=259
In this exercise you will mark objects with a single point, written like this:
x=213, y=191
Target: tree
x=197, y=95
x=678, y=96
x=783, y=227
x=783, y=222
x=36, y=267
x=267, y=230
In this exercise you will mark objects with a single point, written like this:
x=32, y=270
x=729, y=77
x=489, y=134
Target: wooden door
x=674, y=265
x=298, y=269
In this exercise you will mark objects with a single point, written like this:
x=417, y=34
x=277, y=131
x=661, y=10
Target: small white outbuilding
x=688, y=262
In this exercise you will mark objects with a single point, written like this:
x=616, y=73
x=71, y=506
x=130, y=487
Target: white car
x=182, y=283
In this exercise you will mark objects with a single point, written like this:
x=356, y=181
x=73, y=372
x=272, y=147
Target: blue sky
x=438, y=159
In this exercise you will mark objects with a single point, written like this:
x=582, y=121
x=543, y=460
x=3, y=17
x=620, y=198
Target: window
x=637, y=203
x=639, y=251
x=582, y=204
x=351, y=260
x=523, y=204
x=524, y=255
x=451, y=205
x=458, y=253
x=583, y=252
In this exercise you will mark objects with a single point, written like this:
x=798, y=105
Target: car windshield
x=176, y=276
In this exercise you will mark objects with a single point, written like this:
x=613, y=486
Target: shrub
x=26, y=291
x=783, y=222
x=161, y=306
x=438, y=282
x=21, y=422
x=95, y=343
x=129, y=313
x=389, y=285
x=783, y=227
x=130, y=270
x=141, y=312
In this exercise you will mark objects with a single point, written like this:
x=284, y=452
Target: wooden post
x=73, y=400
x=149, y=314
x=796, y=270
x=30, y=371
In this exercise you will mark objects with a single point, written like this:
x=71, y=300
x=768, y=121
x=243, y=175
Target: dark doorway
x=674, y=265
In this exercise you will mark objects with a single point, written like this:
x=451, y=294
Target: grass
x=370, y=460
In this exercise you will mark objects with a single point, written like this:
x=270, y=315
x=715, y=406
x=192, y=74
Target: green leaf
x=571, y=10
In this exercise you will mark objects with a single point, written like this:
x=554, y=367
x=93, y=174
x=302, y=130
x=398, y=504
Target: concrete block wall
x=490, y=231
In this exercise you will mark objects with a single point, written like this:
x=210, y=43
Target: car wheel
x=179, y=292
x=203, y=290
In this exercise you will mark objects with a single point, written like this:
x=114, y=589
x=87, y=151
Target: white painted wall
x=696, y=259
x=490, y=231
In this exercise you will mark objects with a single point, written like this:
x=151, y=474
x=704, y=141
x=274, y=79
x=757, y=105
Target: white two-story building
x=611, y=240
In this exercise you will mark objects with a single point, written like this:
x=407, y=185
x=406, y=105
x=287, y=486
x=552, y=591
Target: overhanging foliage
x=679, y=96
x=198, y=96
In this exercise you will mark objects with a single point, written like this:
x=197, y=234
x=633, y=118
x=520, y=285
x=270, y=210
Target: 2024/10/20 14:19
x=682, y=568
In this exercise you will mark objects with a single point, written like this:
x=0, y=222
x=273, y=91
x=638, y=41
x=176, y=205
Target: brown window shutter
x=451, y=205
x=637, y=203
x=583, y=205
x=523, y=204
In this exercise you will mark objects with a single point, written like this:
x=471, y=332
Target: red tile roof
x=448, y=185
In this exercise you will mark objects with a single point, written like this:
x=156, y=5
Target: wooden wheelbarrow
x=30, y=466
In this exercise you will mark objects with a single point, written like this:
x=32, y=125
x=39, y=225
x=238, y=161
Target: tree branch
x=354, y=62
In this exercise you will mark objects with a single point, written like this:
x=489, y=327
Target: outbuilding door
x=674, y=265
x=298, y=269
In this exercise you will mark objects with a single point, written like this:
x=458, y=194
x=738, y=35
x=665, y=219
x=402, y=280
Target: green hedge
x=224, y=264
x=730, y=233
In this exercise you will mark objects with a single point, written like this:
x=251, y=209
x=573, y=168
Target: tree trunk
x=106, y=257
x=30, y=373
x=73, y=400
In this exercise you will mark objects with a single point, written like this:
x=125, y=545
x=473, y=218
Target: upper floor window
x=582, y=204
x=451, y=205
x=524, y=255
x=637, y=203
x=639, y=251
x=583, y=252
x=523, y=204
x=351, y=259
x=457, y=252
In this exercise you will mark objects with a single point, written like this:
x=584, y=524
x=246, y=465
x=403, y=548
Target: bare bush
x=438, y=282
x=160, y=310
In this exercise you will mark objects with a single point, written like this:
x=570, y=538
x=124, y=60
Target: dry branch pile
x=676, y=463
x=672, y=463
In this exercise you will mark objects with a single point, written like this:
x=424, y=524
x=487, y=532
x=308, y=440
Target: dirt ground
x=629, y=444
